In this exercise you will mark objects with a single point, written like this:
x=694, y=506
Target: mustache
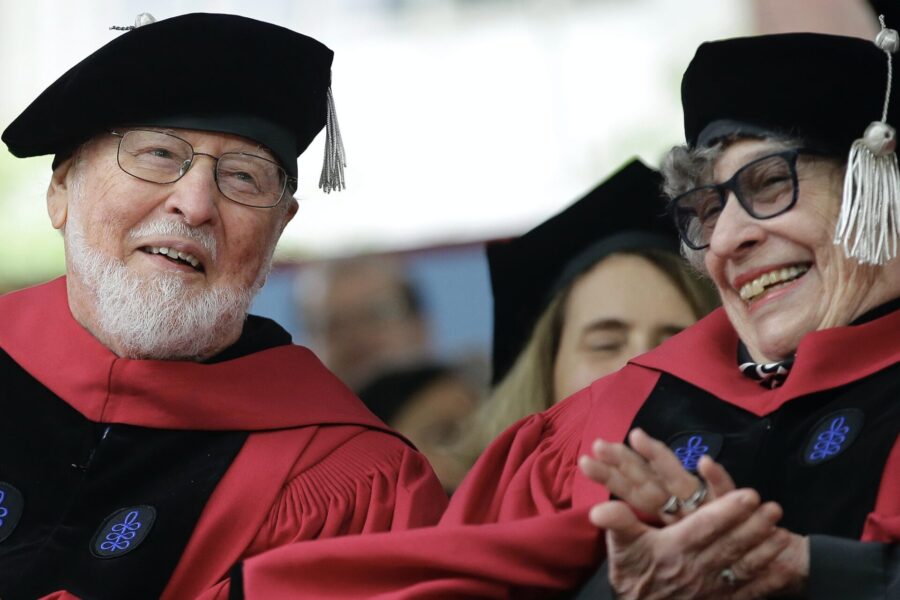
x=199, y=235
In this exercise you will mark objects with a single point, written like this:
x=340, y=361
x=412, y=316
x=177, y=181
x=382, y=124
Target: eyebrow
x=764, y=152
x=260, y=148
x=605, y=325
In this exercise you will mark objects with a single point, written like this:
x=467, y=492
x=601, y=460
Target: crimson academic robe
x=194, y=467
x=824, y=445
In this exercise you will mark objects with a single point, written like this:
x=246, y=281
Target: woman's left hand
x=648, y=477
x=729, y=548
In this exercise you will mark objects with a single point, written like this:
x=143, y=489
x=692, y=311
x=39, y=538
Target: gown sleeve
x=371, y=482
x=510, y=531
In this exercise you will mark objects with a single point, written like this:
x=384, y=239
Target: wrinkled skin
x=683, y=555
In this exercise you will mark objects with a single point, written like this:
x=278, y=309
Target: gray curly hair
x=684, y=169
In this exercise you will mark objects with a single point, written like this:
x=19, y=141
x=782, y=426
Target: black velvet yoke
x=830, y=494
x=78, y=479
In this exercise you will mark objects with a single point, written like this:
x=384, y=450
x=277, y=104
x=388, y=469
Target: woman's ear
x=58, y=193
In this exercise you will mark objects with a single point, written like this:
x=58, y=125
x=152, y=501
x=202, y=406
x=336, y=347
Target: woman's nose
x=735, y=231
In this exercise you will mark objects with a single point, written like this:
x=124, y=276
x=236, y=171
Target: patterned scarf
x=770, y=375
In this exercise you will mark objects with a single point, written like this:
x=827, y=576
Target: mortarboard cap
x=625, y=212
x=828, y=91
x=211, y=72
x=823, y=89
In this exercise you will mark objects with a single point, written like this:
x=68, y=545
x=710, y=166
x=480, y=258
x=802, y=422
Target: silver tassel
x=332, y=178
x=867, y=227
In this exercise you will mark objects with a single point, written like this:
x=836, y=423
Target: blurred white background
x=463, y=119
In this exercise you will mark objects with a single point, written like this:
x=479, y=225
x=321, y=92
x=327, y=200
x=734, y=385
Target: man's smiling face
x=184, y=233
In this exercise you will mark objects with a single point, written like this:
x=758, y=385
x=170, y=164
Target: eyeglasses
x=765, y=188
x=160, y=157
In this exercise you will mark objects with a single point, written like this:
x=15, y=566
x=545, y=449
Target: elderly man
x=152, y=435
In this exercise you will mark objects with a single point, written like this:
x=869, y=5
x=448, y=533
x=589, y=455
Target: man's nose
x=195, y=196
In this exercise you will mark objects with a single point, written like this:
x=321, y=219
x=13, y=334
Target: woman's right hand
x=647, y=475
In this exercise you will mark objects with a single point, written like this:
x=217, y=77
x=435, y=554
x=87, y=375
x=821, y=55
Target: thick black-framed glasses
x=160, y=157
x=765, y=188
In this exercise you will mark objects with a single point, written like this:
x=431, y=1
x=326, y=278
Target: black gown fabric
x=71, y=487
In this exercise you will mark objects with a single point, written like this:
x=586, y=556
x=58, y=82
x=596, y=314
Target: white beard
x=157, y=316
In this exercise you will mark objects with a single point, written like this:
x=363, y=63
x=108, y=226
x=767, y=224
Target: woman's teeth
x=174, y=255
x=753, y=289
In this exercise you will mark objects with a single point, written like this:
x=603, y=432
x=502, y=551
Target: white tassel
x=870, y=211
x=868, y=223
x=332, y=178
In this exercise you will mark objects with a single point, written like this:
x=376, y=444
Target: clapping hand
x=713, y=541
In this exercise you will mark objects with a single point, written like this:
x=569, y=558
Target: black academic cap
x=823, y=89
x=203, y=71
x=625, y=212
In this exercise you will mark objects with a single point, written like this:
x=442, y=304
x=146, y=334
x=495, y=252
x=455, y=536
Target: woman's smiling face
x=783, y=277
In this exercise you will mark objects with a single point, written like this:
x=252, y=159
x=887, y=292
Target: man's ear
x=289, y=213
x=58, y=193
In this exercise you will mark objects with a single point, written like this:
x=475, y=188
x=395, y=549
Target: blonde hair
x=528, y=386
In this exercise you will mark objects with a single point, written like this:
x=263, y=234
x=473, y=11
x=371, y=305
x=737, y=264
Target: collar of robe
x=704, y=355
x=281, y=387
x=773, y=374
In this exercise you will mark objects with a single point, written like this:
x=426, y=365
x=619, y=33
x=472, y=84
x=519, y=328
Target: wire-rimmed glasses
x=160, y=157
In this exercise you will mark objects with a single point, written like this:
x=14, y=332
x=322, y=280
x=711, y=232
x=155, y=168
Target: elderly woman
x=757, y=195
x=792, y=388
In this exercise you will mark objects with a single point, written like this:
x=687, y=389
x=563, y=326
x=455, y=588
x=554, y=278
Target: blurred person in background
x=152, y=434
x=365, y=316
x=581, y=294
x=367, y=320
x=430, y=405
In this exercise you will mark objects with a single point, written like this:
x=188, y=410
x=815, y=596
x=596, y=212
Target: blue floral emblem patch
x=832, y=435
x=11, y=506
x=123, y=531
x=691, y=446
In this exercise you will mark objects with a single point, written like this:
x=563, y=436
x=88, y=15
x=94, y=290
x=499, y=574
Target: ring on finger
x=693, y=502
x=672, y=506
x=728, y=576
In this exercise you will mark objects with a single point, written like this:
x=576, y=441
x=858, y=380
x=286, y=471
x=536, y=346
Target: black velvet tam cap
x=625, y=212
x=202, y=71
x=823, y=89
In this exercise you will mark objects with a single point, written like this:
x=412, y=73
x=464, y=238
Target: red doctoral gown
x=518, y=528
